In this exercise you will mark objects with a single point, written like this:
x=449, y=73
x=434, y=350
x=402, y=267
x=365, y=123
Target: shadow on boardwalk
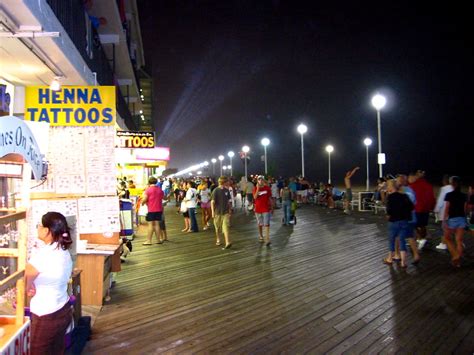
x=321, y=287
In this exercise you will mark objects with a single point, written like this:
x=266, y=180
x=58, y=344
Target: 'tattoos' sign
x=71, y=105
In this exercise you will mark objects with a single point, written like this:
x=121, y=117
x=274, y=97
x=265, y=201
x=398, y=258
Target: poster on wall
x=98, y=215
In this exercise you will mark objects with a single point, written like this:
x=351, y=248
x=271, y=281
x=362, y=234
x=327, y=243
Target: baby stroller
x=294, y=206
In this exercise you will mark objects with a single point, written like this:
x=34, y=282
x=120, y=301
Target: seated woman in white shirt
x=47, y=275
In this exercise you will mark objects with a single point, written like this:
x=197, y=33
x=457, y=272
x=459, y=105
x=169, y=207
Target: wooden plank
x=11, y=280
x=321, y=287
x=9, y=252
x=12, y=217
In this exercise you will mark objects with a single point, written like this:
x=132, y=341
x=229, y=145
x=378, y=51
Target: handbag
x=143, y=210
x=183, y=207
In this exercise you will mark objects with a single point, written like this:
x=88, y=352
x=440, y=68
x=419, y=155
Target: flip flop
x=146, y=243
x=385, y=261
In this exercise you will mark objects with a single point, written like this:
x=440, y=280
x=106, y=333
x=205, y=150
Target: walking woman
x=454, y=221
x=47, y=275
x=399, y=209
x=286, y=198
x=191, y=203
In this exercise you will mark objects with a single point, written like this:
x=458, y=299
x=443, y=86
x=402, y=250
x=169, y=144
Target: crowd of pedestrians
x=408, y=200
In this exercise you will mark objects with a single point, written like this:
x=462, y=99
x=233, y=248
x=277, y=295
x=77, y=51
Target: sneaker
x=421, y=244
x=441, y=246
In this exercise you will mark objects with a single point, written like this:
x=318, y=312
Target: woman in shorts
x=204, y=193
x=454, y=221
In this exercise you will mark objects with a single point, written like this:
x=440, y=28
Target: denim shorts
x=456, y=222
x=263, y=219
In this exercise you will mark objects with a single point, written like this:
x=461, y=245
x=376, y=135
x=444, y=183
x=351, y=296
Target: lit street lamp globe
x=329, y=148
x=265, y=141
x=230, y=154
x=379, y=101
x=221, y=157
x=213, y=160
x=302, y=129
x=367, y=141
x=245, y=149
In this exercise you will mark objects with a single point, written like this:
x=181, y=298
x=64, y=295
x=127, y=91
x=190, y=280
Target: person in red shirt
x=425, y=202
x=262, y=194
x=153, y=198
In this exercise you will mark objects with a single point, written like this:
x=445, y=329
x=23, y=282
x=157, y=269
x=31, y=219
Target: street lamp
x=245, y=149
x=224, y=168
x=230, y=155
x=379, y=101
x=213, y=161
x=221, y=158
x=329, y=149
x=302, y=129
x=265, y=142
x=367, y=143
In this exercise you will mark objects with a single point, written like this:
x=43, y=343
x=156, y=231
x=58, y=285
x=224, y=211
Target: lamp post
x=379, y=101
x=245, y=149
x=302, y=129
x=213, y=161
x=265, y=142
x=230, y=155
x=367, y=143
x=329, y=149
x=221, y=158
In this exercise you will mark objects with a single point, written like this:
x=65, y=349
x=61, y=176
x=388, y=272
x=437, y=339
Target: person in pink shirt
x=153, y=198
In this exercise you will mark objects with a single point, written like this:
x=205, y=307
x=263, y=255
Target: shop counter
x=97, y=262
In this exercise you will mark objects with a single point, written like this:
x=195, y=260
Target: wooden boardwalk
x=320, y=288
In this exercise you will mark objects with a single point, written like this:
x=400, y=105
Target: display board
x=81, y=161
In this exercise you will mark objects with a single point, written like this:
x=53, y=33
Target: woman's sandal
x=388, y=262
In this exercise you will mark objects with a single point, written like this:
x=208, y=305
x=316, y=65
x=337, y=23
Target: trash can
x=126, y=219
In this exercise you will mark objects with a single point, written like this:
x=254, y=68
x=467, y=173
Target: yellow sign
x=71, y=105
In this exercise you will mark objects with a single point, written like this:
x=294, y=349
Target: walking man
x=221, y=209
x=262, y=194
x=153, y=198
x=425, y=202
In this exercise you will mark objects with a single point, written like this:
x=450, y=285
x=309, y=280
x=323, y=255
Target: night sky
x=228, y=73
